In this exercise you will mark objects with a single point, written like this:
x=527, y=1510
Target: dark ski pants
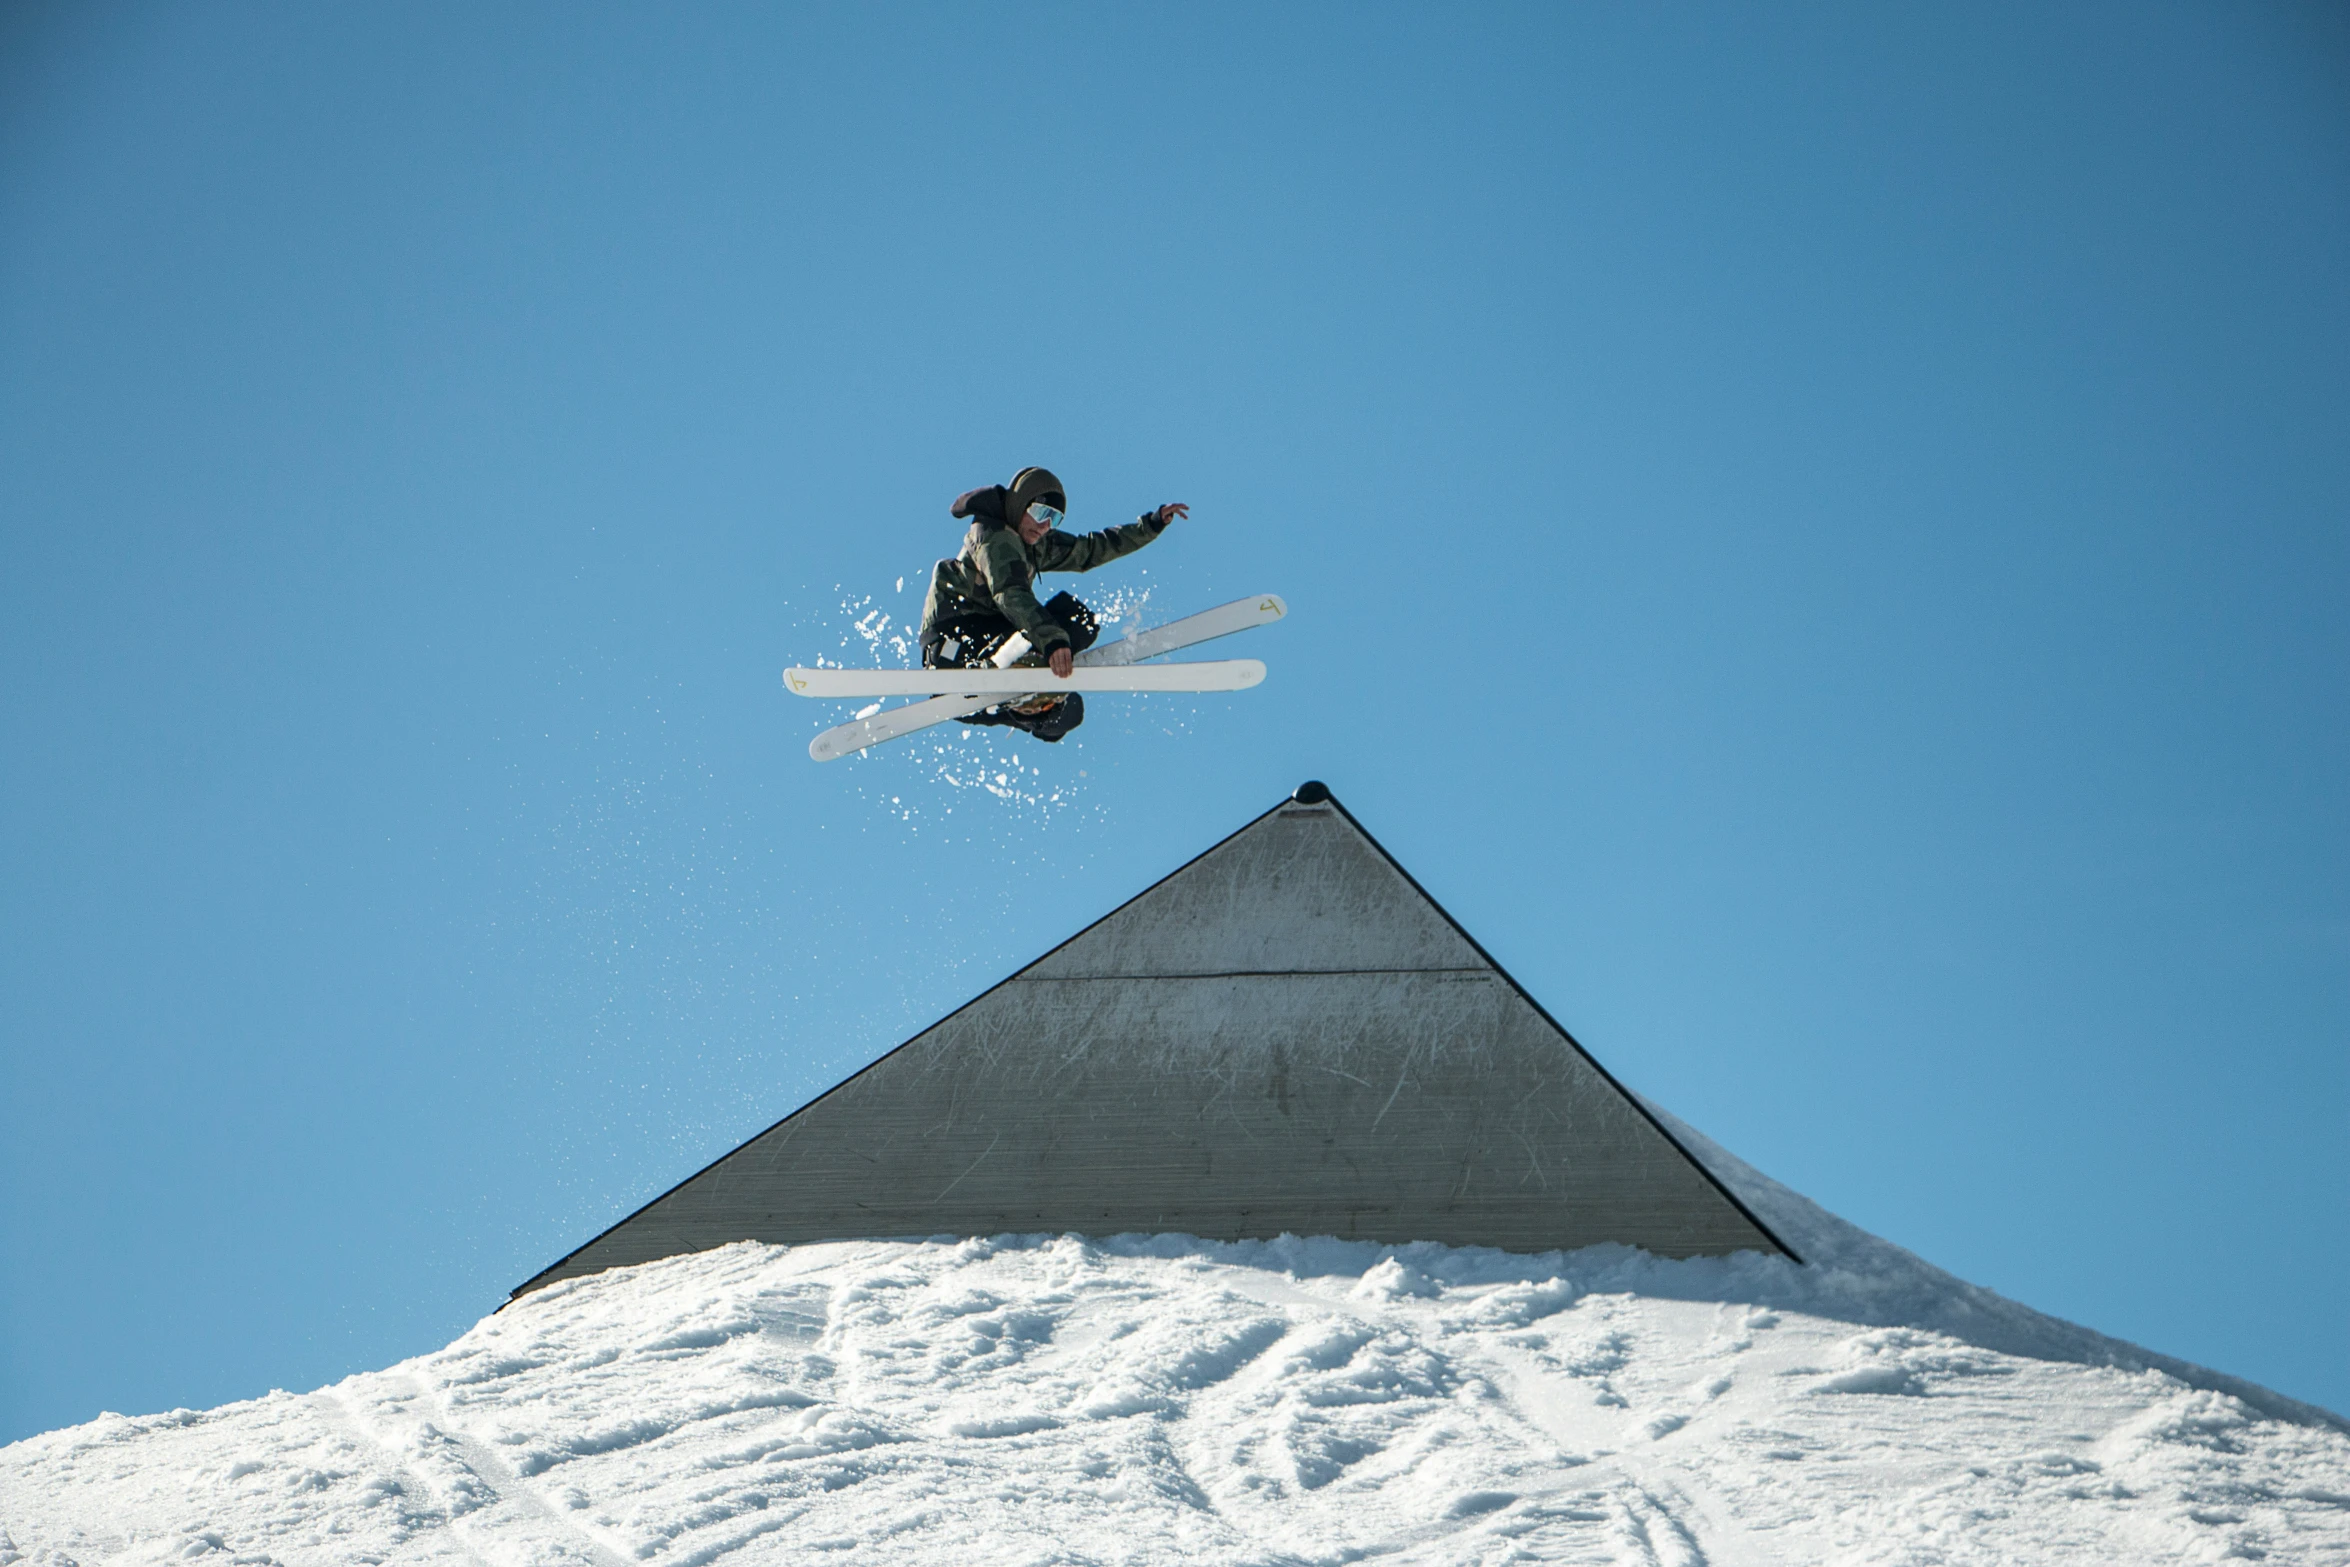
x=974, y=637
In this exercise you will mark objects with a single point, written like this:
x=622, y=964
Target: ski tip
x=795, y=681
x=1272, y=606
x=842, y=740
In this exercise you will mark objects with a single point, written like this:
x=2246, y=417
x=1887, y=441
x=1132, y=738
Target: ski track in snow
x=1162, y=1399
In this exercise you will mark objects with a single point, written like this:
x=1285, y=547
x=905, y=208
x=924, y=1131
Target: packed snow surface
x=1161, y=1399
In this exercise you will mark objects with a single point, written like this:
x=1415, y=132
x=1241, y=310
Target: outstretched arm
x=1084, y=551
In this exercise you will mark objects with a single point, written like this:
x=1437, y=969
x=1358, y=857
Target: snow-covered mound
x=1162, y=1399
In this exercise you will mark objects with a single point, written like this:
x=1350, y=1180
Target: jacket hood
x=1028, y=486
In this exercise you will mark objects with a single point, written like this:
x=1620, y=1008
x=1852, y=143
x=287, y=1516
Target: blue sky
x=1821, y=534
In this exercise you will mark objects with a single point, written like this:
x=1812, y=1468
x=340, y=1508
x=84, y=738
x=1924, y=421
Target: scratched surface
x=1285, y=1036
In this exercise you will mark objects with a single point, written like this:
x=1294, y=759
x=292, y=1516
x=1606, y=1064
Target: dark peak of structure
x=1286, y=1035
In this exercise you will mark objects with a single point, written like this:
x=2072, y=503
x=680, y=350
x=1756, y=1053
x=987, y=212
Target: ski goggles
x=1050, y=516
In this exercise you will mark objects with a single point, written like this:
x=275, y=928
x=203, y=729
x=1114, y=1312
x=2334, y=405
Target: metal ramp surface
x=1285, y=1035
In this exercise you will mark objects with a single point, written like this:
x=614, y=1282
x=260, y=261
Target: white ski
x=1223, y=674
x=1191, y=630
x=892, y=723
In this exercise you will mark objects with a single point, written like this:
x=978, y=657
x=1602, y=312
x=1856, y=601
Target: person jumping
x=985, y=595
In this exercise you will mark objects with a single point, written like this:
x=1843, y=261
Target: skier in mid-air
x=988, y=645
x=983, y=596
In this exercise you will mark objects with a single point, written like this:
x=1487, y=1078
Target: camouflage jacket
x=997, y=572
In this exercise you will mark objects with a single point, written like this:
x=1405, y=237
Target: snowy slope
x=1161, y=1400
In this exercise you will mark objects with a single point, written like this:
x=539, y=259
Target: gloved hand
x=1169, y=512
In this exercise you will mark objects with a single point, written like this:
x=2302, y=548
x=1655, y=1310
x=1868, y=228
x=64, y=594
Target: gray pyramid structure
x=1287, y=1034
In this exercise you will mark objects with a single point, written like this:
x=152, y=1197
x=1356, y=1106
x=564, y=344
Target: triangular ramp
x=1287, y=1034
